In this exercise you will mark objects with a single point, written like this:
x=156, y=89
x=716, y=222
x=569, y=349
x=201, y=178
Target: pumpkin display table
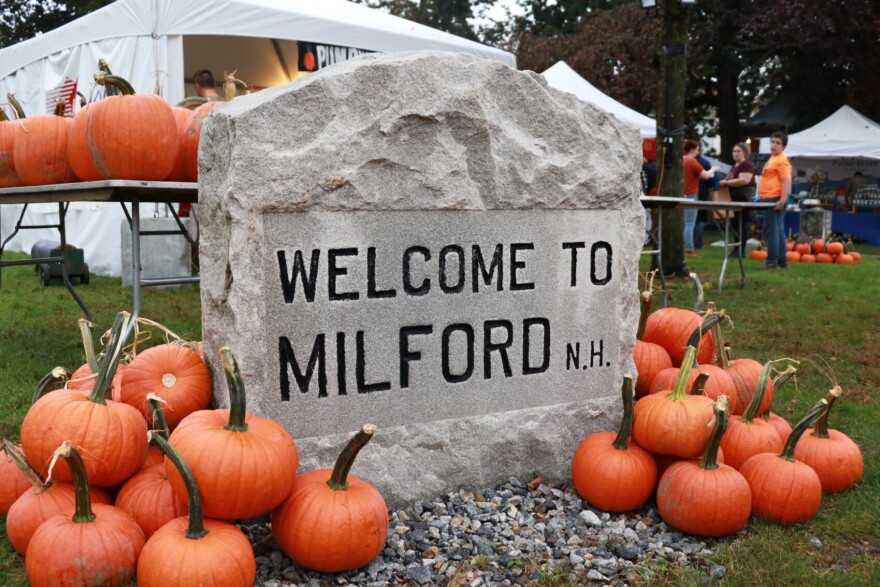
x=125, y=192
x=725, y=208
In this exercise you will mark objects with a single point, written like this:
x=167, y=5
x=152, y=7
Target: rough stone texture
x=162, y=256
x=410, y=132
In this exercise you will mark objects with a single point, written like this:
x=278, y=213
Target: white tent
x=156, y=44
x=846, y=133
x=562, y=77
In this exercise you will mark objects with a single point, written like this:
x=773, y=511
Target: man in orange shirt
x=775, y=186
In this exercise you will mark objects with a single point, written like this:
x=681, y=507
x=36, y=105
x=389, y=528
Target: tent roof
x=330, y=22
x=562, y=77
x=846, y=133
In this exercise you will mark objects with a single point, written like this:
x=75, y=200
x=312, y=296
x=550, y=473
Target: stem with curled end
x=710, y=456
x=820, y=428
x=52, y=378
x=622, y=439
x=339, y=478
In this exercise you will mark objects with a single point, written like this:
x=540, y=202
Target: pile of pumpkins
x=125, y=475
x=814, y=251
x=697, y=432
x=125, y=135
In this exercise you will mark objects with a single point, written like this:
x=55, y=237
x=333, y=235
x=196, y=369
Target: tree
x=24, y=19
x=446, y=15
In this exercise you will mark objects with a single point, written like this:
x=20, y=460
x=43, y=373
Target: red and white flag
x=66, y=90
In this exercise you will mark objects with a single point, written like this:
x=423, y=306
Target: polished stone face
x=396, y=317
x=432, y=242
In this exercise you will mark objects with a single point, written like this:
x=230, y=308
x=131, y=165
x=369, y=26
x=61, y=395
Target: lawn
x=826, y=316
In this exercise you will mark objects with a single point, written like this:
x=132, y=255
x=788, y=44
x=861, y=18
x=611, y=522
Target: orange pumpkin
x=785, y=490
x=649, y=358
x=802, y=248
x=817, y=245
x=808, y=258
x=748, y=435
x=79, y=156
x=173, y=372
x=672, y=327
x=824, y=258
x=244, y=448
x=178, y=172
x=793, y=257
x=666, y=461
x=674, y=423
x=8, y=176
x=40, y=148
x=844, y=259
x=758, y=255
x=857, y=256
x=610, y=471
x=831, y=453
x=333, y=507
x=149, y=498
x=131, y=136
x=13, y=482
x=783, y=428
x=834, y=248
x=191, y=550
x=99, y=545
x=111, y=435
x=690, y=492
x=189, y=138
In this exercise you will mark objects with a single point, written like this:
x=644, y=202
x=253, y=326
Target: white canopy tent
x=156, y=44
x=562, y=77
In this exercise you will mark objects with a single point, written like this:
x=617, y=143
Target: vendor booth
x=836, y=166
x=159, y=44
x=562, y=77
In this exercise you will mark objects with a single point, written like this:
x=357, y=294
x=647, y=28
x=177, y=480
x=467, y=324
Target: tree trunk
x=670, y=120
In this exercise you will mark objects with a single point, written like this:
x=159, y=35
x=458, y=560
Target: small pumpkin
x=673, y=422
x=808, y=258
x=611, y=471
x=99, y=545
x=748, y=435
x=844, y=259
x=111, y=435
x=333, y=507
x=783, y=428
x=793, y=257
x=831, y=453
x=802, y=249
x=705, y=498
x=40, y=148
x=785, y=490
x=824, y=258
x=192, y=550
x=13, y=482
x=758, y=254
x=175, y=373
x=834, y=248
x=649, y=358
x=817, y=245
x=672, y=327
x=248, y=469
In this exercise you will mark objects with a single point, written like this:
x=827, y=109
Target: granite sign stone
x=431, y=242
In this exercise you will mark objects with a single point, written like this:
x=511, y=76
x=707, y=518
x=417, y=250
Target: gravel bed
x=508, y=535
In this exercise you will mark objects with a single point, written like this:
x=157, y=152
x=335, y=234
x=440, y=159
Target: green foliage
x=24, y=19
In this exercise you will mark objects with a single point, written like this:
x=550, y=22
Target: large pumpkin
x=673, y=422
x=333, y=507
x=609, y=470
x=8, y=176
x=831, y=453
x=705, y=498
x=191, y=550
x=785, y=490
x=98, y=545
x=132, y=136
x=112, y=436
x=79, y=155
x=40, y=148
x=244, y=465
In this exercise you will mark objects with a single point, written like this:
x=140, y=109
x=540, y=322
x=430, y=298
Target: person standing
x=204, y=83
x=706, y=186
x=693, y=172
x=740, y=182
x=775, y=186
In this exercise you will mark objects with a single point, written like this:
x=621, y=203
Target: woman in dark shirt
x=740, y=181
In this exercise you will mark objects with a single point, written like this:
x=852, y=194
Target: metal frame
x=122, y=191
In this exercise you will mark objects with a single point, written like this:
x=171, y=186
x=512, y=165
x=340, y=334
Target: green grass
x=825, y=315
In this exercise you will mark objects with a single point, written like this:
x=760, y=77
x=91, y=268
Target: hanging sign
x=313, y=56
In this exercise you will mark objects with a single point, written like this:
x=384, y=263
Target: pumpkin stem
x=799, y=429
x=820, y=429
x=159, y=422
x=620, y=443
x=752, y=410
x=644, y=310
x=710, y=457
x=196, y=528
x=60, y=107
x=3, y=117
x=679, y=389
x=698, y=305
x=339, y=479
x=110, y=360
x=720, y=350
x=700, y=383
x=783, y=377
x=88, y=344
x=83, y=513
x=191, y=102
x=53, y=377
x=14, y=454
x=104, y=67
x=114, y=81
x=237, y=398
x=709, y=322
x=16, y=106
